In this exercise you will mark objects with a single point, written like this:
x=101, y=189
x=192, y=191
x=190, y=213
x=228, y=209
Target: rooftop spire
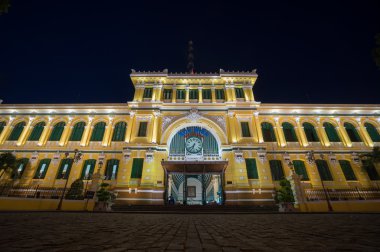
x=190, y=58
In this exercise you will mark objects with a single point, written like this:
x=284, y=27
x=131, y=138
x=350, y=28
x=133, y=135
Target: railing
x=293, y=144
x=52, y=143
x=315, y=144
x=342, y=194
x=336, y=144
x=358, y=145
x=205, y=157
x=36, y=191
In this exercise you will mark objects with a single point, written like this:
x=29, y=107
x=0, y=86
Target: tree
x=104, y=195
x=285, y=193
x=8, y=163
x=376, y=51
x=369, y=160
x=76, y=190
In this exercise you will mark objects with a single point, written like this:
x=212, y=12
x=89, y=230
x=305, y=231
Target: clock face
x=193, y=145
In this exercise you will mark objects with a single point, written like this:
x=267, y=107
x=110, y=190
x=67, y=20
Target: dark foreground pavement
x=49, y=231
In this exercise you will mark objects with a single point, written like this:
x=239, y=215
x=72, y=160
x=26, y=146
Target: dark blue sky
x=82, y=51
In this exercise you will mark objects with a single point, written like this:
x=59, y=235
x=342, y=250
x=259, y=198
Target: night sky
x=83, y=51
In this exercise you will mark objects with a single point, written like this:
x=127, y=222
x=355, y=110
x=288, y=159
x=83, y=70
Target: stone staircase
x=193, y=209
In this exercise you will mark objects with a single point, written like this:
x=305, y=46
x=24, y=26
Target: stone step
x=192, y=209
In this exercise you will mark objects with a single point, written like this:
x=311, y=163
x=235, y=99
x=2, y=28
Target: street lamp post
x=77, y=157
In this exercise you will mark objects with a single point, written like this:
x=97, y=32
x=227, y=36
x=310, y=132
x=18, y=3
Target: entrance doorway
x=194, y=183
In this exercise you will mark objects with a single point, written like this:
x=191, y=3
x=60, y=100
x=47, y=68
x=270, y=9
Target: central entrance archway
x=194, y=183
x=194, y=171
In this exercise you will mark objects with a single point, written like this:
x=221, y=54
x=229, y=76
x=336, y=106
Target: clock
x=193, y=145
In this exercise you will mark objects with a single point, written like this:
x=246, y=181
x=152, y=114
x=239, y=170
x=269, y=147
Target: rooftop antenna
x=190, y=58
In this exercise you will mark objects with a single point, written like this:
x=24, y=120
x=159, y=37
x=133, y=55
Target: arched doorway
x=194, y=171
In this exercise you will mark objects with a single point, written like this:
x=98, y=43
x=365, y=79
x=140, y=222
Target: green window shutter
x=290, y=134
x=57, y=131
x=219, y=93
x=268, y=132
x=347, y=170
x=245, y=129
x=352, y=132
x=119, y=132
x=372, y=172
x=16, y=132
x=323, y=170
x=76, y=134
x=276, y=169
x=372, y=132
x=2, y=126
x=137, y=167
x=37, y=131
x=251, y=168
x=64, y=168
x=142, y=129
x=168, y=94
x=180, y=94
x=310, y=132
x=193, y=94
x=98, y=132
x=88, y=169
x=331, y=132
x=111, y=169
x=148, y=92
x=239, y=93
x=22, y=165
x=206, y=94
x=300, y=169
x=42, y=168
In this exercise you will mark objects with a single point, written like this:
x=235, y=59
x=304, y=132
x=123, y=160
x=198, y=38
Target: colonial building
x=194, y=139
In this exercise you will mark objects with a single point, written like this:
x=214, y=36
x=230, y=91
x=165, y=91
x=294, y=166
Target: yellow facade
x=224, y=116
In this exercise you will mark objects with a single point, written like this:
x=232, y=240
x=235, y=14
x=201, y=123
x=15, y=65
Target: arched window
x=300, y=169
x=268, y=132
x=111, y=169
x=119, y=131
x=310, y=132
x=290, y=134
x=2, y=126
x=76, y=134
x=57, y=131
x=16, y=132
x=64, y=168
x=37, y=131
x=42, y=168
x=352, y=132
x=323, y=170
x=276, y=169
x=372, y=131
x=98, y=132
x=22, y=164
x=332, y=135
x=88, y=168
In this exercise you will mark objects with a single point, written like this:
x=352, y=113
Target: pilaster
x=200, y=95
x=107, y=135
x=45, y=133
x=66, y=133
x=231, y=119
x=322, y=132
x=187, y=95
x=213, y=95
x=280, y=133
x=25, y=132
x=85, y=137
x=130, y=126
x=301, y=133
x=258, y=128
x=7, y=129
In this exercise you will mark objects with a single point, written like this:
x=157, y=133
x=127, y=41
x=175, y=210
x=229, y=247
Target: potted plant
x=284, y=197
x=104, y=198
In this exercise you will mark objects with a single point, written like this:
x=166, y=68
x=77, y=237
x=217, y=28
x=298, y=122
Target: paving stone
x=63, y=231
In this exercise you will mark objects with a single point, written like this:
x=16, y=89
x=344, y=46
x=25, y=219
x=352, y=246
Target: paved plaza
x=49, y=231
